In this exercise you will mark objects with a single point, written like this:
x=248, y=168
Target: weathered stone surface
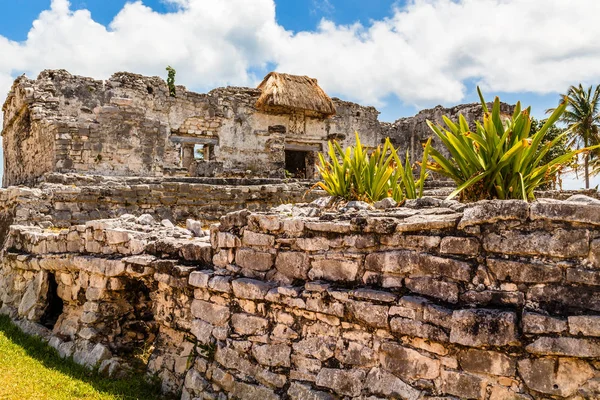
x=370, y=314
x=465, y=386
x=487, y=362
x=445, y=291
x=586, y=325
x=428, y=222
x=459, y=245
x=488, y=212
x=412, y=242
x=557, y=298
x=257, y=239
x=410, y=263
x=484, y=327
x=504, y=393
x=293, y=264
x=211, y=313
x=383, y=383
x=255, y=260
x=405, y=326
x=298, y=391
x=321, y=348
x=200, y=278
x=566, y=211
x=561, y=243
x=408, y=363
x=565, y=346
x=555, y=376
x=334, y=269
x=250, y=289
x=513, y=271
x=247, y=324
x=346, y=382
x=541, y=324
x=276, y=355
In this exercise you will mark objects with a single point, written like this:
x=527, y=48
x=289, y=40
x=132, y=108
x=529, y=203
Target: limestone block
x=480, y=327
x=257, y=239
x=459, y=245
x=504, y=393
x=247, y=324
x=334, y=227
x=373, y=295
x=250, y=289
x=540, y=324
x=294, y=265
x=595, y=253
x=98, y=354
x=200, y=278
x=573, y=297
x=405, y=326
x=489, y=212
x=371, y=314
x=334, y=269
x=345, y=382
x=227, y=240
x=565, y=346
x=212, y=313
x=486, y=362
x=317, y=243
x=428, y=222
x=322, y=348
x=383, y=383
x=408, y=363
x=412, y=242
x=555, y=376
x=273, y=355
x=202, y=330
x=560, y=243
x=220, y=284
x=580, y=275
x=299, y=391
x=463, y=385
x=254, y=260
x=446, y=291
x=586, y=325
x=566, y=211
x=513, y=271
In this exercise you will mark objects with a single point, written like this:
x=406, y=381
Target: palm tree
x=582, y=117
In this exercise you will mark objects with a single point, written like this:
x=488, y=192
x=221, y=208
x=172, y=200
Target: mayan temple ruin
x=131, y=218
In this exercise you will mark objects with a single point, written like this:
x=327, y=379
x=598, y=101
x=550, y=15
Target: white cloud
x=422, y=53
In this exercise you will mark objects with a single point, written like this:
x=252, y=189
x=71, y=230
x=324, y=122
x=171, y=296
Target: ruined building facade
x=129, y=125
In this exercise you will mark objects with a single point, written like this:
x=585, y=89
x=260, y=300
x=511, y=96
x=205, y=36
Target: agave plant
x=502, y=159
x=356, y=174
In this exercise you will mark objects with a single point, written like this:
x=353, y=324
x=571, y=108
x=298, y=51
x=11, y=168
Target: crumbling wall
x=494, y=300
x=129, y=125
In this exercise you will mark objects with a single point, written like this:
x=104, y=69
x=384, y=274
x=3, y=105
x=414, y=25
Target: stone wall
x=494, y=300
x=65, y=200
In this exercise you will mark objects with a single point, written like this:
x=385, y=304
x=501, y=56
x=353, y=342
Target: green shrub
x=356, y=174
x=502, y=159
x=171, y=81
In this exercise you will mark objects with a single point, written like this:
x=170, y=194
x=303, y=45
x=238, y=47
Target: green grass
x=30, y=369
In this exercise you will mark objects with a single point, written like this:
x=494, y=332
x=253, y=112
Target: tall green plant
x=501, y=159
x=171, y=80
x=356, y=174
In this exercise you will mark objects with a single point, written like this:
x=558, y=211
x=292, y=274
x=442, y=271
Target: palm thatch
x=284, y=91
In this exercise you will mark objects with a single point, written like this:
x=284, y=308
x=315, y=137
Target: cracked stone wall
x=128, y=125
x=432, y=300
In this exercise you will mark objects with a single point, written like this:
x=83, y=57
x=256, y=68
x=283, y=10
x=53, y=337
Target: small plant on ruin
x=171, y=80
x=502, y=159
x=356, y=174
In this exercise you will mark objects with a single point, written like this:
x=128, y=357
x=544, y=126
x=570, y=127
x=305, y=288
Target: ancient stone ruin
x=237, y=285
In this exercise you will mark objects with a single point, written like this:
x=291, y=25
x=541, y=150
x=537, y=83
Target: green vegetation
x=582, y=117
x=171, y=81
x=502, y=159
x=30, y=369
x=356, y=174
x=560, y=148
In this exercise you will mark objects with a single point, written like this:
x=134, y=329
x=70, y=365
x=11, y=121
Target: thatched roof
x=281, y=91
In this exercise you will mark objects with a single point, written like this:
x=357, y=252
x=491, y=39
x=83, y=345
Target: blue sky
x=399, y=56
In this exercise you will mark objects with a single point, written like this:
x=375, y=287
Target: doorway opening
x=54, y=307
x=296, y=163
